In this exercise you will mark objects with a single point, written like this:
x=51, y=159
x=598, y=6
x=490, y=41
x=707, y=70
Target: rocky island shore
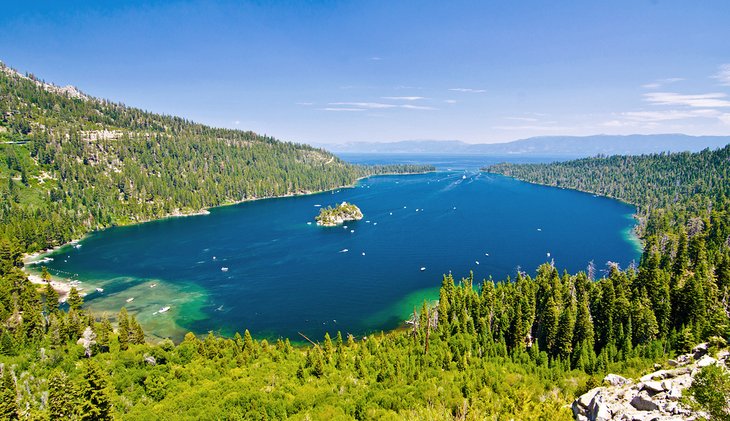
x=330, y=217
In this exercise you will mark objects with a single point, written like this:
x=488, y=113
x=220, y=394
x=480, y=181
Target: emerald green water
x=286, y=276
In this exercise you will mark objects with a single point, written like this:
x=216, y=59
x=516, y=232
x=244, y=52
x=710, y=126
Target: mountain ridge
x=568, y=146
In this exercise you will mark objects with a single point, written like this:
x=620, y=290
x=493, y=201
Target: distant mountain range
x=566, y=146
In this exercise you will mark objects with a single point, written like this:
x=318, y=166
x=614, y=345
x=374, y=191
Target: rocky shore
x=330, y=217
x=655, y=396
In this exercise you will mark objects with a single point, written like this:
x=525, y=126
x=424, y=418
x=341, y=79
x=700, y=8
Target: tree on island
x=329, y=217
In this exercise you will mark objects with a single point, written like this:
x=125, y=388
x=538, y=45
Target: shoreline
x=206, y=211
x=63, y=287
x=635, y=216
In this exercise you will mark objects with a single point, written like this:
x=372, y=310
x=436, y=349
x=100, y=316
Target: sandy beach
x=63, y=288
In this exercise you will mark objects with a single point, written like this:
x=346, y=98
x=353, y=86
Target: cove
x=260, y=266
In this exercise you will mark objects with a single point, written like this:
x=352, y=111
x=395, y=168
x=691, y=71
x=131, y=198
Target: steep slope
x=70, y=163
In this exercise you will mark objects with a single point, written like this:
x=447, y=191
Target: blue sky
x=332, y=72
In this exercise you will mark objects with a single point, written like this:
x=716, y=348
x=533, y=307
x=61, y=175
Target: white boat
x=375, y=223
x=352, y=231
x=224, y=269
x=423, y=268
x=344, y=251
x=363, y=253
x=539, y=229
x=77, y=246
x=164, y=309
x=548, y=254
x=309, y=223
x=129, y=300
x=476, y=261
x=317, y=206
x=153, y=285
x=100, y=290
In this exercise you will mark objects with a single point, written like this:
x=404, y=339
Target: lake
x=265, y=265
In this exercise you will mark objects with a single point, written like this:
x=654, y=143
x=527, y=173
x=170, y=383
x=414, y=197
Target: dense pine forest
x=518, y=348
x=683, y=205
x=71, y=164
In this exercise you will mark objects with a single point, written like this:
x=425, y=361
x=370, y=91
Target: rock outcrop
x=69, y=91
x=87, y=340
x=656, y=396
x=330, y=217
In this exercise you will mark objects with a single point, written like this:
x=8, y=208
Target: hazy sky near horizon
x=333, y=72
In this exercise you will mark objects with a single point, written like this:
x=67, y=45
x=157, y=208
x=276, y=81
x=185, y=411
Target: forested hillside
x=684, y=209
x=519, y=348
x=522, y=348
x=70, y=163
x=648, y=181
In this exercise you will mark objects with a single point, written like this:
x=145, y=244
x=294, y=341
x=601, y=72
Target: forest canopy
x=520, y=347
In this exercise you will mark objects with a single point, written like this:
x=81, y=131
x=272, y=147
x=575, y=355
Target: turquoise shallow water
x=285, y=276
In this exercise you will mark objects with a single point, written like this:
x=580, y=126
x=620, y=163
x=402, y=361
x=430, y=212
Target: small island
x=330, y=217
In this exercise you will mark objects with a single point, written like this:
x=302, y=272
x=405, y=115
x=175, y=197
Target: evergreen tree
x=583, y=324
x=566, y=326
x=550, y=323
x=318, y=365
x=338, y=341
x=238, y=343
x=51, y=299
x=74, y=299
x=9, y=409
x=61, y=396
x=45, y=275
x=136, y=334
x=644, y=324
x=681, y=258
x=247, y=342
x=96, y=402
x=327, y=347
x=104, y=331
x=123, y=329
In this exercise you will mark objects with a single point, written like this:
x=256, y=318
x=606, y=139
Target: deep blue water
x=285, y=276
